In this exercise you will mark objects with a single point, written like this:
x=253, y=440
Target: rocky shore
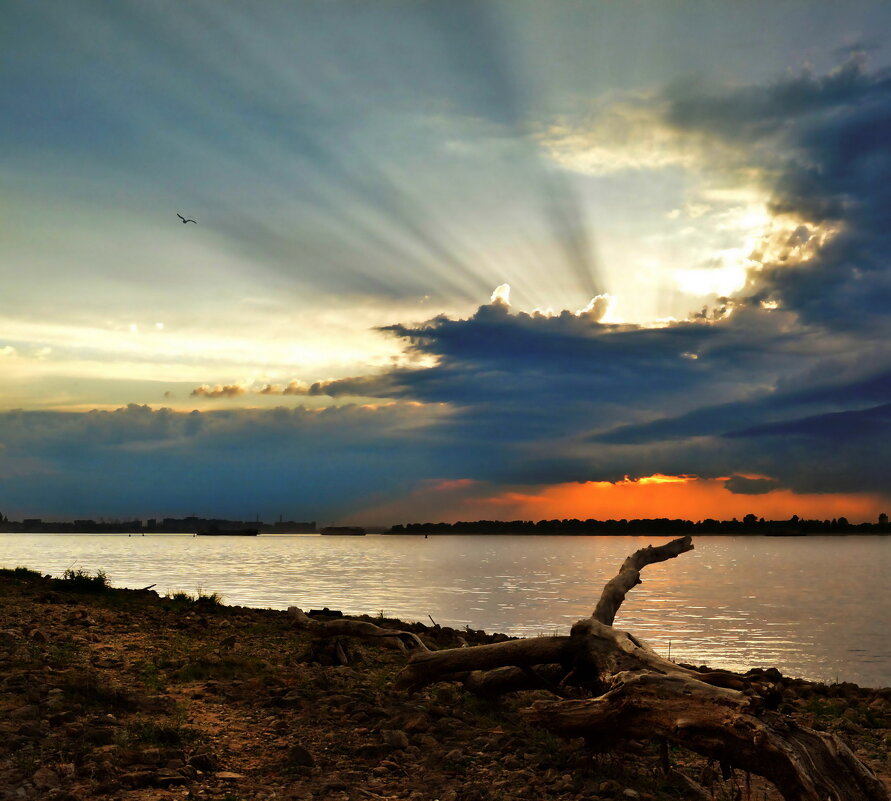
x=125, y=694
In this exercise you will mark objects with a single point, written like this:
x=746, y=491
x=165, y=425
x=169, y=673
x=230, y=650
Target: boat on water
x=343, y=531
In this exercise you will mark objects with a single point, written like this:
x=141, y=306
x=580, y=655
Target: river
x=814, y=607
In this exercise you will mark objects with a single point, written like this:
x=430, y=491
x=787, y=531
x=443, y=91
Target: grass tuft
x=83, y=581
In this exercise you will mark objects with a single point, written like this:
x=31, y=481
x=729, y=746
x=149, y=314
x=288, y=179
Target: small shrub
x=154, y=732
x=181, y=598
x=83, y=581
x=214, y=599
x=211, y=667
x=91, y=690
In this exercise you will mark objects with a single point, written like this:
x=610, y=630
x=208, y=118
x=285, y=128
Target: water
x=815, y=607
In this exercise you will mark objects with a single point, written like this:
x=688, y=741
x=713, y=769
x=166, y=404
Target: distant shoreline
x=660, y=526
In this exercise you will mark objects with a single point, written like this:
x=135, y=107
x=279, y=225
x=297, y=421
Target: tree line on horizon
x=750, y=524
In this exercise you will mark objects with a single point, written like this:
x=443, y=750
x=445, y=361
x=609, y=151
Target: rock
x=8, y=638
x=417, y=723
x=204, y=761
x=29, y=712
x=448, y=795
x=610, y=786
x=294, y=698
x=455, y=755
x=138, y=778
x=395, y=738
x=299, y=756
x=228, y=775
x=45, y=779
x=629, y=793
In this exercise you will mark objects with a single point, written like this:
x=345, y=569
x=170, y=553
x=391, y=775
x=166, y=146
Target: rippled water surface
x=816, y=607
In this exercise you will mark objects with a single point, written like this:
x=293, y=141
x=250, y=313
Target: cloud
x=742, y=485
x=291, y=388
x=236, y=463
x=818, y=147
x=218, y=391
x=786, y=380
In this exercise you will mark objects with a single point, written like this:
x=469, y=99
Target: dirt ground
x=122, y=694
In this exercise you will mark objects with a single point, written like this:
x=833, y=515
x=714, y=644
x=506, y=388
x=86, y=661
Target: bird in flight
x=184, y=219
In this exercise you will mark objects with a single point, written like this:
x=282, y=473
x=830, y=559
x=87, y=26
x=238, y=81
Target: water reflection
x=816, y=607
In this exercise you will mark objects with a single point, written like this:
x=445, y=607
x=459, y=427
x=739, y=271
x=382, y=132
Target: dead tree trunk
x=638, y=694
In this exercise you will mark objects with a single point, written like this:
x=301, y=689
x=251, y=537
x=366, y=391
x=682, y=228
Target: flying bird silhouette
x=184, y=219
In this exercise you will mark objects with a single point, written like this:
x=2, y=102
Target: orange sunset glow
x=684, y=497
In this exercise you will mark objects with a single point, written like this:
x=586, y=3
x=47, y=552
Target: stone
x=45, y=779
x=204, y=761
x=29, y=712
x=229, y=775
x=299, y=756
x=629, y=793
x=395, y=738
x=417, y=723
x=428, y=742
x=138, y=778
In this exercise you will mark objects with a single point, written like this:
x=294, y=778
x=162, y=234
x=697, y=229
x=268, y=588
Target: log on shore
x=722, y=724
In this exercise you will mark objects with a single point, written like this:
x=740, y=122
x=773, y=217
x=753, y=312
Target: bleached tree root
x=722, y=724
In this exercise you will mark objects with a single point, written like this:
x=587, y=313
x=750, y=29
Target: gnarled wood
x=432, y=666
x=724, y=724
x=629, y=576
x=345, y=627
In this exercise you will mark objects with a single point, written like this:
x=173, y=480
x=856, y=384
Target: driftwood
x=803, y=764
x=628, y=691
x=345, y=627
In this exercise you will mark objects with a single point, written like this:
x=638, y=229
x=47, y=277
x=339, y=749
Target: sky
x=452, y=260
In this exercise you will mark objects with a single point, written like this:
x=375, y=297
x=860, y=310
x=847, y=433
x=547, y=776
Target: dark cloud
x=875, y=422
x=740, y=485
x=139, y=461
